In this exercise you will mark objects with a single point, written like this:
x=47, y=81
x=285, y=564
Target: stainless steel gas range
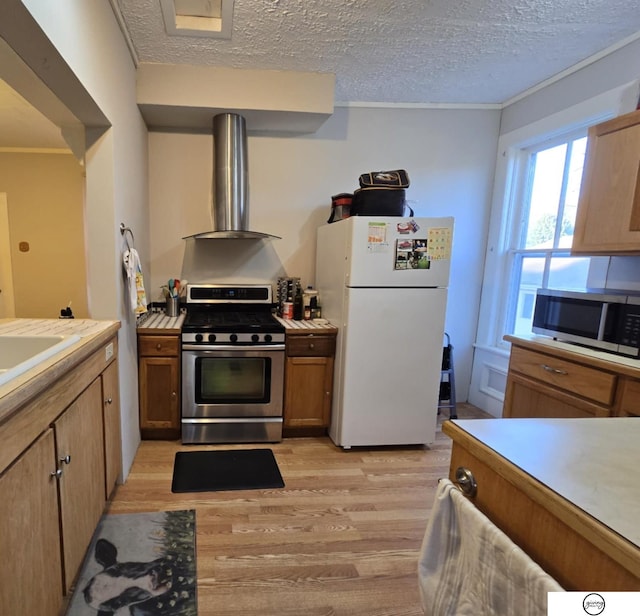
x=232, y=365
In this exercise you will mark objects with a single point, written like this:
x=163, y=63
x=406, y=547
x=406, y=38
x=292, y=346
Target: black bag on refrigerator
x=398, y=178
x=378, y=201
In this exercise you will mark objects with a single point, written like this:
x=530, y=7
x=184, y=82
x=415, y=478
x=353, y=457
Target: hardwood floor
x=341, y=538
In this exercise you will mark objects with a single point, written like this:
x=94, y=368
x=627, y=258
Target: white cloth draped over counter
x=469, y=567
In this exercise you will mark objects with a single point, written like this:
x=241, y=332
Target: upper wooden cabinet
x=608, y=216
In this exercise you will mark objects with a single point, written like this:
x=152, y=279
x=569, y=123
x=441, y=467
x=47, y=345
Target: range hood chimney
x=230, y=186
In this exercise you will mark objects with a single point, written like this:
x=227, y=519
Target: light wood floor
x=341, y=538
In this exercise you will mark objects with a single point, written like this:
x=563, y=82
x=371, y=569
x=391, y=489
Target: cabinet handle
x=108, y=400
x=57, y=473
x=466, y=481
x=553, y=370
x=66, y=459
x=158, y=347
x=173, y=394
x=312, y=346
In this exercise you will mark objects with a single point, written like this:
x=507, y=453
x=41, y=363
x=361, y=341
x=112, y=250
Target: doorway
x=7, y=304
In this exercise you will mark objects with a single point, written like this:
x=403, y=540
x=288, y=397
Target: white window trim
x=508, y=187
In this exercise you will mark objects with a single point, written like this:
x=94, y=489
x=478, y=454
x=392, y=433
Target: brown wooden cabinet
x=111, y=423
x=80, y=458
x=29, y=532
x=308, y=381
x=159, y=382
x=544, y=385
x=628, y=398
x=546, y=381
x=608, y=215
x=53, y=482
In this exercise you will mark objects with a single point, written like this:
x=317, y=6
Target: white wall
x=610, y=71
x=88, y=38
x=449, y=155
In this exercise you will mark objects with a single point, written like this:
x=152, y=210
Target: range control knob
x=255, y=338
x=212, y=337
x=268, y=338
x=233, y=337
x=198, y=337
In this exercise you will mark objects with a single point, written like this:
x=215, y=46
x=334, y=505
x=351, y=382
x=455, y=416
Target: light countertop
x=53, y=327
x=92, y=333
x=589, y=462
x=160, y=323
x=310, y=326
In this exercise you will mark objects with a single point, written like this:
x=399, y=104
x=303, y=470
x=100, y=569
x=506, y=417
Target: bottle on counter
x=309, y=294
x=298, y=305
x=316, y=311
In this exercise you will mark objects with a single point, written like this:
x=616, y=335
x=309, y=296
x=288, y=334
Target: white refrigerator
x=383, y=282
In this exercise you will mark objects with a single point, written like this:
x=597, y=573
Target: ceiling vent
x=206, y=18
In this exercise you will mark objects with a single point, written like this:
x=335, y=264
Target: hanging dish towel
x=133, y=269
x=469, y=567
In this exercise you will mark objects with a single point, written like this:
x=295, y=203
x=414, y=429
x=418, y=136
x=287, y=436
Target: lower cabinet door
x=159, y=397
x=111, y=420
x=80, y=454
x=309, y=381
x=30, y=535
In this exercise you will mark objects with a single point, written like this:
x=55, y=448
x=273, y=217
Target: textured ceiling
x=409, y=51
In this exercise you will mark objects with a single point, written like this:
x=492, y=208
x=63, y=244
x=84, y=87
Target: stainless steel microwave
x=603, y=319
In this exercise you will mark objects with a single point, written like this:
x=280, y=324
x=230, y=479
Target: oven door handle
x=210, y=348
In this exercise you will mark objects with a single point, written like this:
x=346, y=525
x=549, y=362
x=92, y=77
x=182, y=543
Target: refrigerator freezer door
x=398, y=252
x=388, y=368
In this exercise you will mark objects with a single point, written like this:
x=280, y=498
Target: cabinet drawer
x=311, y=345
x=159, y=345
x=589, y=383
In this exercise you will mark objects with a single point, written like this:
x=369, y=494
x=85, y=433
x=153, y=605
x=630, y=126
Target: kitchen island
x=59, y=462
x=564, y=490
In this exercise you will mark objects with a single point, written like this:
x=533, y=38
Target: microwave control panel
x=630, y=327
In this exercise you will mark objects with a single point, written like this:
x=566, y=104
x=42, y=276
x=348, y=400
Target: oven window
x=228, y=380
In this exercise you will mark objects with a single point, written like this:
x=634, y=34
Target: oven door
x=232, y=381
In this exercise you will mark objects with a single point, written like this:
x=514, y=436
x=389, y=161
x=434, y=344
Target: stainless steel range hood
x=230, y=186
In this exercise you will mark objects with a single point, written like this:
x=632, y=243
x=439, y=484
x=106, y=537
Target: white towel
x=468, y=566
x=133, y=269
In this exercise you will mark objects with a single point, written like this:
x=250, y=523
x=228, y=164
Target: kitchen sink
x=21, y=353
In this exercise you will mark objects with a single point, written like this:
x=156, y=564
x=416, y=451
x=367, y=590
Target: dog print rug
x=140, y=564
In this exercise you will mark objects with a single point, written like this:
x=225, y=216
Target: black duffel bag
x=398, y=178
x=379, y=201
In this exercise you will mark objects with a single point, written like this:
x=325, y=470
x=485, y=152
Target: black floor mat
x=237, y=469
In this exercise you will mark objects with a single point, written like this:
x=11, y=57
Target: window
x=539, y=253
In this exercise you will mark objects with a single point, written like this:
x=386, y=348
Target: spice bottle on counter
x=316, y=311
x=309, y=293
